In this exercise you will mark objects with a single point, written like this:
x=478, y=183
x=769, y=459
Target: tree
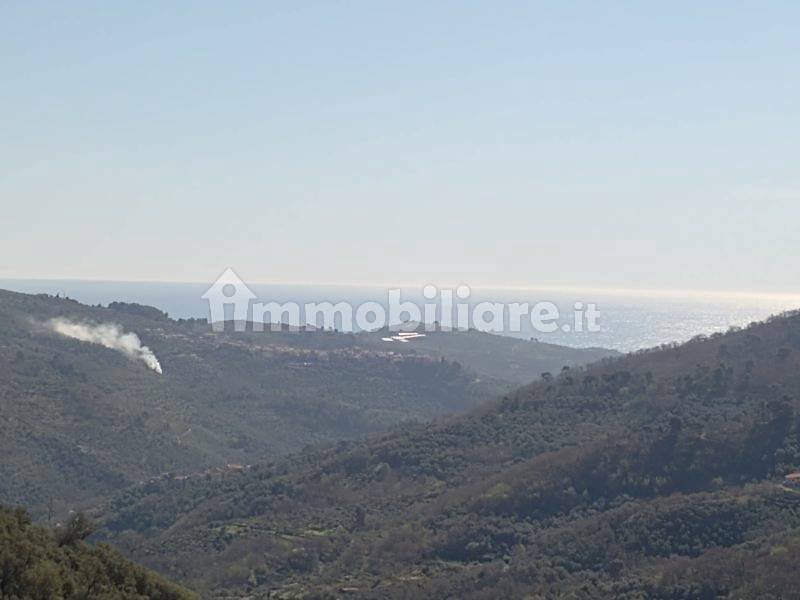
x=77, y=529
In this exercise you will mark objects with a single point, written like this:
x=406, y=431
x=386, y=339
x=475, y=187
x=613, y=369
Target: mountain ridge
x=689, y=437
x=80, y=420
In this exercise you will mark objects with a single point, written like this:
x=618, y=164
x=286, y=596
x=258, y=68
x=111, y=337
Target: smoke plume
x=110, y=336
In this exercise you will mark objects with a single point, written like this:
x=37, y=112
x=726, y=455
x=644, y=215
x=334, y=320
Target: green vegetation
x=655, y=475
x=78, y=421
x=494, y=356
x=36, y=564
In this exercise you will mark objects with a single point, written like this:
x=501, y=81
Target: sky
x=576, y=144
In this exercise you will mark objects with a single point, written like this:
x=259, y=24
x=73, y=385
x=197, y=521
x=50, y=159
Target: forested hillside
x=38, y=564
x=79, y=420
x=655, y=475
x=510, y=359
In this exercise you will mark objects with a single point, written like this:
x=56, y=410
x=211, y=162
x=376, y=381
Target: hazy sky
x=500, y=143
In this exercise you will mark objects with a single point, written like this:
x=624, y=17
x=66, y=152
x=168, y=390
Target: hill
x=655, y=475
x=511, y=359
x=37, y=564
x=79, y=420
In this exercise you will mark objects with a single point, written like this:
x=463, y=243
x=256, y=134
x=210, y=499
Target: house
x=792, y=480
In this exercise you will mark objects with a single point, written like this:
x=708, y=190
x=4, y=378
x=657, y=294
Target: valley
x=79, y=420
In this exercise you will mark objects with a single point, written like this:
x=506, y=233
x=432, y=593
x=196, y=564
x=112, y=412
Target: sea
x=626, y=320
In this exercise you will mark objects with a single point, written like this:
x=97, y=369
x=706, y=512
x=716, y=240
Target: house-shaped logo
x=228, y=289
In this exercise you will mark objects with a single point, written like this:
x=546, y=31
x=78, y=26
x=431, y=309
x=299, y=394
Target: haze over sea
x=628, y=320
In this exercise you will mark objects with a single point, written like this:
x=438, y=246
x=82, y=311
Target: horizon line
x=613, y=291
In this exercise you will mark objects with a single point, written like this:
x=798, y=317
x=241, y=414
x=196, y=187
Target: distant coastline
x=629, y=322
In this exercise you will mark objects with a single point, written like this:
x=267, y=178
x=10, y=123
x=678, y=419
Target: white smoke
x=110, y=336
